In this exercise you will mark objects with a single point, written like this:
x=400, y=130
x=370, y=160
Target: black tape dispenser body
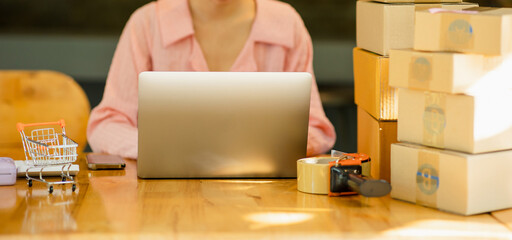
x=346, y=178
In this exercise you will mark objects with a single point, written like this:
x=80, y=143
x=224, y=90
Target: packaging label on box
x=427, y=178
x=434, y=119
x=458, y=31
x=482, y=30
x=421, y=72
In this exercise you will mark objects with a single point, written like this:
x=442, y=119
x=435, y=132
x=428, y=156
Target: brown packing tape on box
x=313, y=174
x=427, y=178
x=434, y=119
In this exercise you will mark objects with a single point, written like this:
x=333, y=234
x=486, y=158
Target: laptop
x=222, y=124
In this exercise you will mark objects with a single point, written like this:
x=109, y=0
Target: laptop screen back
x=222, y=124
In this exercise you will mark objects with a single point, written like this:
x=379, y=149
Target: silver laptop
x=222, y=124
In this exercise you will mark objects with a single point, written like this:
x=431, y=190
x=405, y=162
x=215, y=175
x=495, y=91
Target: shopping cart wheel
x=63, y=179
x=29, y=183
x=50, y=189
x=73, y=188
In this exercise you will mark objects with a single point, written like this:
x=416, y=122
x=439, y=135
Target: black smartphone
x=96, y=161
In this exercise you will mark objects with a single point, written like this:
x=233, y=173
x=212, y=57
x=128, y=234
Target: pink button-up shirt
x=160, y=37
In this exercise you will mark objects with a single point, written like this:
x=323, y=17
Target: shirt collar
x=175, y=20
x=270, y=26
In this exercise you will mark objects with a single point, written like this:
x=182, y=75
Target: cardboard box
x=416, y=1
x=472, y=124
x=451, y=181
x=488, y=31
x=382, y=26
x=449, y=72
x=371, y=89
x=375, y=138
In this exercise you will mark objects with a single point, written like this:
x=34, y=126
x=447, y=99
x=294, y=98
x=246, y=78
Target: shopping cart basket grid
x=43, y=148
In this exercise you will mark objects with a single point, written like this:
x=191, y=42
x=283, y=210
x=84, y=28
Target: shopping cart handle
x=21, y=126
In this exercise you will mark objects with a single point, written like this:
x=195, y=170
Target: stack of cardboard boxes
x=454, y=113
x=381, y=26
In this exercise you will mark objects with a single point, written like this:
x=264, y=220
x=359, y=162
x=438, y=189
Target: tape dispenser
x=339, y=175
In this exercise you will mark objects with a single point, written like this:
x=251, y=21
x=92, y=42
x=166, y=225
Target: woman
x=202, y=35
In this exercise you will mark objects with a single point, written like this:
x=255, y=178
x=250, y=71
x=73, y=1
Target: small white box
x=451, y=181
x=472, y=124
x=449, y=72
x=482, y=30
x=384, y=26
x=7, y=171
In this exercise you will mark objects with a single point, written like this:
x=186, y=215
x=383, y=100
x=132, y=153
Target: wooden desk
x=116, y=204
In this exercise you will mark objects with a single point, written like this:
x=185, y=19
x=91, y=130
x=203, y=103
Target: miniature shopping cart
x=44, y=148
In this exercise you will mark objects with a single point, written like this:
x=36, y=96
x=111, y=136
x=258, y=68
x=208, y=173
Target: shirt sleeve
x=321, y=134
x=112, y=126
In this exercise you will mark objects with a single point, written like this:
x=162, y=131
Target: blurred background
x=79, y=38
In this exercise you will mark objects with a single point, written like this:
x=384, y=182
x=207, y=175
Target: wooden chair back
x=40, y=96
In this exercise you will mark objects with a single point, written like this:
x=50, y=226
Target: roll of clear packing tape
x=313, y=174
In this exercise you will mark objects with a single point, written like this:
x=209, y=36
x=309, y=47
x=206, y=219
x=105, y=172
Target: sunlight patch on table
x=449, y=228
x=268, y=219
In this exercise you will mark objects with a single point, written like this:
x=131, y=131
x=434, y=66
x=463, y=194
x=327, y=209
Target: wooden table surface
x=116, y=204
